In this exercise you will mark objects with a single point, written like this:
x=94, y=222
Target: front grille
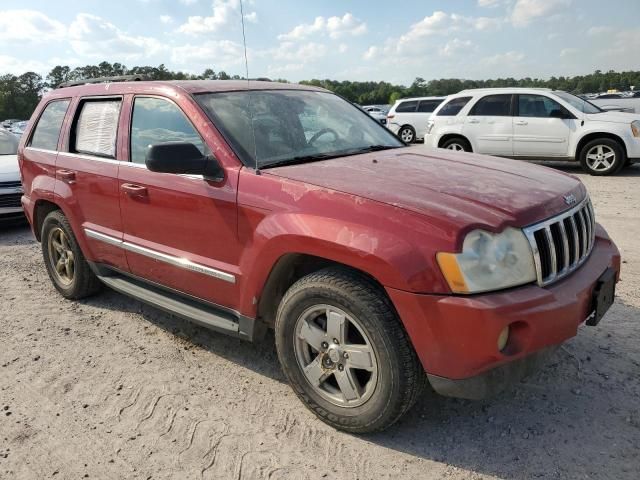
x=562, y=243
x=15, y=184
x=11, y=200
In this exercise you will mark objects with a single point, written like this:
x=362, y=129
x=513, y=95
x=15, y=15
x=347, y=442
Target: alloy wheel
x=601, y=158
x=406, y=135
x=455, y=146
x=335, y=356
x=61, y=256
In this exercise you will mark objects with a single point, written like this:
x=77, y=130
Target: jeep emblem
x=569, y=199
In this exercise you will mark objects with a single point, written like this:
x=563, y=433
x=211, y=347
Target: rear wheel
x=407, y=134
x=457, y=144
x=345, y=353
x=602, y=156
x=65, y=263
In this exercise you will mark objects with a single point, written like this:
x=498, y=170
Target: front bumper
x=455, y=336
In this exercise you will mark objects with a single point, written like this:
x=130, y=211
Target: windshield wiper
x=373, y=148
x=301, y=159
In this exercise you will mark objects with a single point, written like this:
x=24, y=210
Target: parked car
x=10, y=185
x=376, y=112
x=539, y=124
x=604, y=96
x=374, y=262
x=17, y=128
x=6, y=124
x=408, y=117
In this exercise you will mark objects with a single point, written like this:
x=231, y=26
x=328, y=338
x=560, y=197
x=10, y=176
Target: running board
x=206, y=315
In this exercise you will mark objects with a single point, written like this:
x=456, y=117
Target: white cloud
x=455, y=46
x=567, y=52
x=94, y=37
x=599, y=30
x=371, y=53
x=502, y=59
x=30, y=26
x=222, y=53
x=166, y=19
x=251, y=17
x=188, y=2
x=295, y=52
x=343, y=47
x=526, y=11
x=335, y=27
x=489, y=3
x=223, y=12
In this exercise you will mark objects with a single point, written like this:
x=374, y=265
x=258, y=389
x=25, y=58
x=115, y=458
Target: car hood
x=613, y=117
x=9, y=169
x=463, y=189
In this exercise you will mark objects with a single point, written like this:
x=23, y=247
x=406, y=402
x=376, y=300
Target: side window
x=97, y=127
x=539, y=106
x=409, y=106
x=155, y=121
x=493, y=106
x=428, y=106
x=453, y=107
x=47, y=131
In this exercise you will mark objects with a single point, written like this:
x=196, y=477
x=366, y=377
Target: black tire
x=83, y=282
x=462, y=144
x=407, y=134
x=400, y=378
x=595, y=167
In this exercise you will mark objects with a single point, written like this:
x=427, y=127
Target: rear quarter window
x=97, y=127
x=453, y=107
x=47, y=130
x=409, y=106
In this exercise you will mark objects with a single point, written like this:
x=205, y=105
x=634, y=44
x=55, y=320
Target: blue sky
x=387, y=40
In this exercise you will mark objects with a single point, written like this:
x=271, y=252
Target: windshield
x=577, y=102
x=8, y=143
x=287, y=126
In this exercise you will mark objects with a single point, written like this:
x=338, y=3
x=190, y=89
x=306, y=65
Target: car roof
x=419, y=98
x=473, y=91
x=173, y=87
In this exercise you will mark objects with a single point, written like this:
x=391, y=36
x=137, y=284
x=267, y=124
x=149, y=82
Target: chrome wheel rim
x=61, y=256
x=601, y=158
x=335, y=356
x=406, y=135
x=455, y=146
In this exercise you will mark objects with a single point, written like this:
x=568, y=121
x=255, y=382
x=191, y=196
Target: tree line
x=19, y=94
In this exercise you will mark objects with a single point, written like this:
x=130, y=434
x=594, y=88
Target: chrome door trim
x=162, y=257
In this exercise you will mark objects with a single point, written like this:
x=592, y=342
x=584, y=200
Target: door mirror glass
x=181, y=157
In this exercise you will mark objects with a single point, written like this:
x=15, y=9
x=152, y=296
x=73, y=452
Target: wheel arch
x=596, y=135
x=449, y=136
x=41, y=209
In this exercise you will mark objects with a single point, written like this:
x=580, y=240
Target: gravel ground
x=111, y=388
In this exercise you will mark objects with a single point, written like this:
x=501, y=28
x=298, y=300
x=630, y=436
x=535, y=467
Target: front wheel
x=345, y=353
x=457, y=144
x=602, y=156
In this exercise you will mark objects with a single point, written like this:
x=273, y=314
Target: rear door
x=87, y=177
x=180, y=231
x=541, y=127
x=489, y=125
x=422, y=115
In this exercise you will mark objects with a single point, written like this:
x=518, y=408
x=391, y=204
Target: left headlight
x=635, y=128
x=489, y=261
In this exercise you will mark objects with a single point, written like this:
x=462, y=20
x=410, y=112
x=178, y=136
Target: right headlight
x=635, y=128
x=489, y=261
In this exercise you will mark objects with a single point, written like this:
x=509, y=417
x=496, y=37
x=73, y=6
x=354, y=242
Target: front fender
x=385, y=255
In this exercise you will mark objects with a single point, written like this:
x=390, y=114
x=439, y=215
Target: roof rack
x=118, y=78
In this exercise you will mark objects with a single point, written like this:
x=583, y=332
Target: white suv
x=409, y=116
x=536, y=123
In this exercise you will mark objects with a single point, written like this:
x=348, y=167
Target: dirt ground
x=111, y=388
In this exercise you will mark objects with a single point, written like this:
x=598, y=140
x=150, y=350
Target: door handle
x=473, y=120
x=522, y=122
x=134, y=190
x=67, y=175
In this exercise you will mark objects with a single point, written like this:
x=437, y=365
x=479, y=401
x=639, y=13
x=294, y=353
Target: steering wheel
x=322, y=132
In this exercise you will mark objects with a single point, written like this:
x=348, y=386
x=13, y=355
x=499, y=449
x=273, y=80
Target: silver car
x=10, y=185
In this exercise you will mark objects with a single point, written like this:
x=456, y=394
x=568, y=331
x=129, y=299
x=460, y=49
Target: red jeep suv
x=248, y=205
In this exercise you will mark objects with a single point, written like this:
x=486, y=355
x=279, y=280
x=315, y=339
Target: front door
x=489, y=125
x=541, y=127
x=180, y=231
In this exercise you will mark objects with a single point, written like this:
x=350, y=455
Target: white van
x=409, y=116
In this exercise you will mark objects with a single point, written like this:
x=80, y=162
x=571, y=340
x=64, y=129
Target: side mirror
x=182, y=157
x=562, y=114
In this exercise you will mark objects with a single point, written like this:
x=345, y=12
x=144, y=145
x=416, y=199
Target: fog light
x=503, y=338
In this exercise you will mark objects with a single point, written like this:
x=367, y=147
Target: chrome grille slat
x=562, y=243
